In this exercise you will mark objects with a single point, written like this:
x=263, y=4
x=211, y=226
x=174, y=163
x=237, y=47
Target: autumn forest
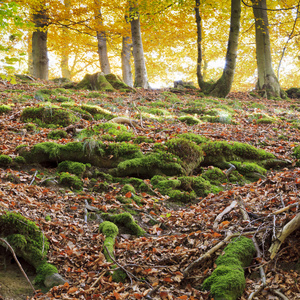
x=150, y=149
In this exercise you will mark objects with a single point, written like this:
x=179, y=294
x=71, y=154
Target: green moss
x=57, y=134
x=198, y=139
x=4, y=109
x=189, y=120
x=110, y=230
x=227, y=281
x=128, y=188
x=73, y=167
x=43, y=271
x=215, y=176
x=182, y=196
x=223, y=119
x=48, y=115
x=19, y=160
x=117, y=83
x=203, y=187
x=142, y=139
x=190, y=154
x=70, y=180
x=149, y=165
x=93, y=95
x=5, y=160
x=30, y=127
x=25, y=237
x=62, y=99
x=126, y=220
x=296, y=152
x=247, y=168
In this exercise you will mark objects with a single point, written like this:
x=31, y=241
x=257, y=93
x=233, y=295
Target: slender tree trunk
x=141, y=79
x=223, y=86
x=39, y=46
x=102, y=41
x=65, y=49
x=125, y=57
x=267, y=82
x=29, y=53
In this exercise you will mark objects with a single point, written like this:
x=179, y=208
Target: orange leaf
x=128, y=195
x=215, y=234
x=225, y=223
x=168, y=279
x=184, y=297
x=117, y=295
x=138, y=296
x=72, y=290
x=74, y=207
x=66, y=284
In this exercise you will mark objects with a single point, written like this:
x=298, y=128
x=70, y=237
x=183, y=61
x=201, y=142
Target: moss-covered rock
x=293, y=92
x=48, y=114
x=125, y=220
x=28, y=242
x=227, y=281
x=189, y=153
x=220, y=153
x=249, y=169
x=70, y=180
x=118, y=83
x=215, y=176
x=5, y=160
x=73, y=167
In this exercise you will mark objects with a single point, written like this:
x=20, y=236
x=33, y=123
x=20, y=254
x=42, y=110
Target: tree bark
x=141, y=79
x=267, y=82
x=102, y=41
x=64, y=62
x=125, y=57
x=40, y=59
x=222, y=87
x=29, y=53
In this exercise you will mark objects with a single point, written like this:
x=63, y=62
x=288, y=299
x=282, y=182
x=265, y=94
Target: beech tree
x=222, y=87
x=141, y=79
x=267, y=82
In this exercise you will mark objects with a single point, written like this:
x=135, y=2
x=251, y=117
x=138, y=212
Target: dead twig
x=16, y=259
x=33, y=179
x=224, y=212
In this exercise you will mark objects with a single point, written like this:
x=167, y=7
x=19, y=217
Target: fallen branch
x=123, y=120
x=290, y=227
x=33, y=179
x=16, y=259
x=224, y=212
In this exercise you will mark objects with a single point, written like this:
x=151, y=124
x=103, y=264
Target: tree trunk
x=64, y=56
x=125, y=57
x=223, y=86
x=102, y=42
x=29, y=53
x=39, y=46
x=138, y=52
x=267, y=82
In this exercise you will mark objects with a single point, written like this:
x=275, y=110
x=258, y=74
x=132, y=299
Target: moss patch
x=4, y=109
x=227, y=281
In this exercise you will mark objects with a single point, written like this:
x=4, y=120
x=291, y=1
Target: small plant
x=70, y=180
x=30, y=127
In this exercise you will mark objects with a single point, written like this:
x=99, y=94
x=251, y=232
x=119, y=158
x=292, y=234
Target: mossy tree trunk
x=222, y=87
x=267, y=82
x=40, y=59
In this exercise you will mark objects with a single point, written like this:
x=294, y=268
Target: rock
x=53, y=280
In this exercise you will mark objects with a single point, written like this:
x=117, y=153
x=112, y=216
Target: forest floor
x=182, y=233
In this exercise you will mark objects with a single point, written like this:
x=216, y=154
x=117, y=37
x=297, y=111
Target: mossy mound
x=196, y=138
x=28, y=242
x=224, y=119
x=215, y=176
x=90, y=151
x=88, y=112
x=57, y=134
x=48, y=114
x=189, y=120
x=260, y=118
x=250, y=170
x=227, y=281
x=183, y=189
x=220, y=153
x=70, y=180
x=5, y=160
x=118, y=84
